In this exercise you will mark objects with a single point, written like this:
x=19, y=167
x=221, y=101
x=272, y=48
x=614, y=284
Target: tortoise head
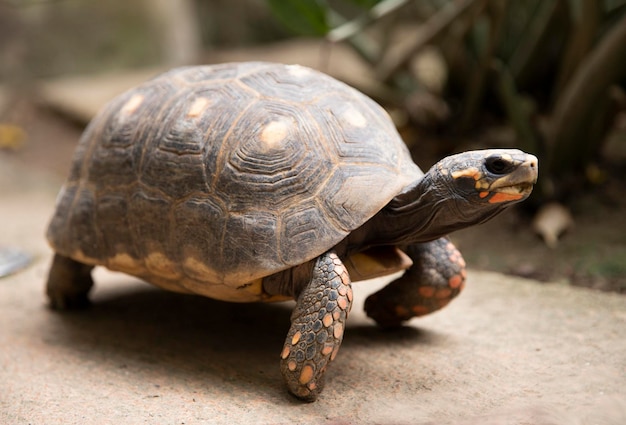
x=487, y=179
x=462, y=190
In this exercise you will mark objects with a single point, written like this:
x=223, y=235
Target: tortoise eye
x=497, y=165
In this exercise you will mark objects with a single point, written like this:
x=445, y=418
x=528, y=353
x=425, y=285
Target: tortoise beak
x=518, y=184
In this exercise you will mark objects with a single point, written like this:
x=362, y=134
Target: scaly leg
x=436, y=277
x=317, y=326
x=69, y=283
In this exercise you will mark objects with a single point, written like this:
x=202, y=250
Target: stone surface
x=508, y=351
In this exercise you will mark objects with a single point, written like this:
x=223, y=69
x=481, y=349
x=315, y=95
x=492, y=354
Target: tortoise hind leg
x=317, y=325
x=68, y=284
x=436, y=277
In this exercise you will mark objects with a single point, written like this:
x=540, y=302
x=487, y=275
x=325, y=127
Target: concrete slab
x=508, y=351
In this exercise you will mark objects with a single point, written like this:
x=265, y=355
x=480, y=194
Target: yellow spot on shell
x=274, y=133
x=125, y=263
x=198, y=107
x=297, y=70
x=162, y=266
x=354, y=118
x=132, y=104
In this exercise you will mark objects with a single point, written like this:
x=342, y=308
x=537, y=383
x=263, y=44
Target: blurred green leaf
x=304, y=17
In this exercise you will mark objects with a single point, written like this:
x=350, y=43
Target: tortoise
x=265, y=182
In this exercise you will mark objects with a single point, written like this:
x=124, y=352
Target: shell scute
x=206, y=179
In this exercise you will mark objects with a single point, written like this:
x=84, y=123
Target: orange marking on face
x=483, y=194
x=327, y=320
x=443, y=293
x=455, y=281
x=426, y=291
x=468, y=172
x=327, y=350
x=420, y=310
x=296, y=337
x=504, y=197
x=306, y=374
x=292, y=365
x=285, y=352
x=338, y=330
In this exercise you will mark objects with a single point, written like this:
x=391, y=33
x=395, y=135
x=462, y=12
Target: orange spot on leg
x=306, y=374
x=285, y=352
x=455, y=281
x=401, y=311
x=296, y=338
x=426, y=291
x=443, y=293
x=342, y=303
x=420, y=310
x=338, y=330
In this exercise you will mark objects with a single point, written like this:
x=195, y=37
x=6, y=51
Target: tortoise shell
x=207, y=179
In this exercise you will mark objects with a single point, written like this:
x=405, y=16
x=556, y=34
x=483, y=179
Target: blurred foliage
x=553, y=69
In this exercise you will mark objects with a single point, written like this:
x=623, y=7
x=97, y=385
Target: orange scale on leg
x=455, y=281
x=420, y=310
x=443, y=293
x=426, y=291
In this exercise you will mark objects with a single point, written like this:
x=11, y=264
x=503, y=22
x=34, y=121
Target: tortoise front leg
x=68, y=284
x=436, y=277
x=317, y=325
